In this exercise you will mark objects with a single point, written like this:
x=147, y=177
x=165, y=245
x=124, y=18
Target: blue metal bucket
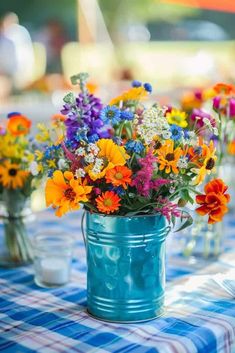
x=126, y=266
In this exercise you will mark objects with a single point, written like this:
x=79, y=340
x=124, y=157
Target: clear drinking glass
x=53, y=253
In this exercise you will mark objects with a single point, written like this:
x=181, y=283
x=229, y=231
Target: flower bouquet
x=16, y=186
x=133, y=167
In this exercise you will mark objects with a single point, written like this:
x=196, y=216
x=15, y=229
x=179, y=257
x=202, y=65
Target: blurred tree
x=119, y=12
x=34, y=13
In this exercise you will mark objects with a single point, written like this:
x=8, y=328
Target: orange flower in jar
x=214, y=201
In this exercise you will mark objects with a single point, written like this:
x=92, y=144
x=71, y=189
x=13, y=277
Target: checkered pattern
x=199, y=316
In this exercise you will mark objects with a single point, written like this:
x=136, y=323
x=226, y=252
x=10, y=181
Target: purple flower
x=136, y=83
x=2, y=130
x=83, y=121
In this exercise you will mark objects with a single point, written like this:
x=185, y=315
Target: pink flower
x=168, y=209
x=199, y=115
x=168, y=109
x=216, y=103
x=232, y=107
x=143, y=179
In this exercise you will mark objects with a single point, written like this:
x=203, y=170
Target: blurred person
x=24, y=53
x=7, y=65
x=53, y=35
x=7, y=55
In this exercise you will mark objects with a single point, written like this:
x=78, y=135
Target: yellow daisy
x=39, y=155
x=11, y=176
x=134, y=93
x=111, y=156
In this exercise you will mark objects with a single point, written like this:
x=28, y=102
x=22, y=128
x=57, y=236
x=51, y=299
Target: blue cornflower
x=176, y=132
x=136, y=83
x=148, y=87
x=127, y=115
x=198, y=150
x=117, y=140
x=134, y=146
x=186, y=134
x=110, y=114
x=50, y=173
x=48, y=152
x=80, y=134
x=10, y=115
x=93, y=138
x=117, y=189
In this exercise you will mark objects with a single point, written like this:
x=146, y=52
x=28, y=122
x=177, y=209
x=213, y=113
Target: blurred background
x=177, y=45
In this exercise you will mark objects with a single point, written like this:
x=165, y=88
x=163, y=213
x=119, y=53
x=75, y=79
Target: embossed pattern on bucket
x=126, y=266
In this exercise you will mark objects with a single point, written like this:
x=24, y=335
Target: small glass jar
x=53, y=253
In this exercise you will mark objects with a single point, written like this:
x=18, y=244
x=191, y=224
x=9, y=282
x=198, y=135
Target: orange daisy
x=19, y=125
x=119, y=176
x=224, y=88
x=231, y=148
x=58, y=118
x=108, y=202
x=65, y=193
x=92, y=87
x=168, y=157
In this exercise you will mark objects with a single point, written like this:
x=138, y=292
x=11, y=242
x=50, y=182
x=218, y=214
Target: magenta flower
x=168, y=109
x=232, y=108
x=198, y=95
x=168, y=209
x=199, y=115
x=143, y=179
x=216, y=103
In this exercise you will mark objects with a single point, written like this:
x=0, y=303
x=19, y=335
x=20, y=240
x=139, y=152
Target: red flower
x=214, y=202
x=19, y=125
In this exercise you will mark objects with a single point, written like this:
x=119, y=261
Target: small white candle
x=55, y=271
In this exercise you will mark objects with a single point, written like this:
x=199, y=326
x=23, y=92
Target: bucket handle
x=82, y=226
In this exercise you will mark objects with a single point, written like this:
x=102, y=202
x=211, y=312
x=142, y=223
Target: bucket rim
x=157, y=214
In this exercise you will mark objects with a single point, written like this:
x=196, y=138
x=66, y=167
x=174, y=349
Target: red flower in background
x=224, y=88
x=214, y=202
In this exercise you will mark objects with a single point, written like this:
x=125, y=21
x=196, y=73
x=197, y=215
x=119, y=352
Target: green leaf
x=187, y=223
x=128, y=130
x=69, y=98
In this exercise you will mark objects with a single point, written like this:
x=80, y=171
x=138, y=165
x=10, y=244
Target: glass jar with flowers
x=214, y=121
x=16, y=186
x=133, y=168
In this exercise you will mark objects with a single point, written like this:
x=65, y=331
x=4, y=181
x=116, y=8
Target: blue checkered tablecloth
x=199, y=315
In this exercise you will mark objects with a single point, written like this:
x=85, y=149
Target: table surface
x=199, y=315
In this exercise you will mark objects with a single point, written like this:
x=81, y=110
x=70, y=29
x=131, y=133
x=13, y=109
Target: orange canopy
x=218, y=5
